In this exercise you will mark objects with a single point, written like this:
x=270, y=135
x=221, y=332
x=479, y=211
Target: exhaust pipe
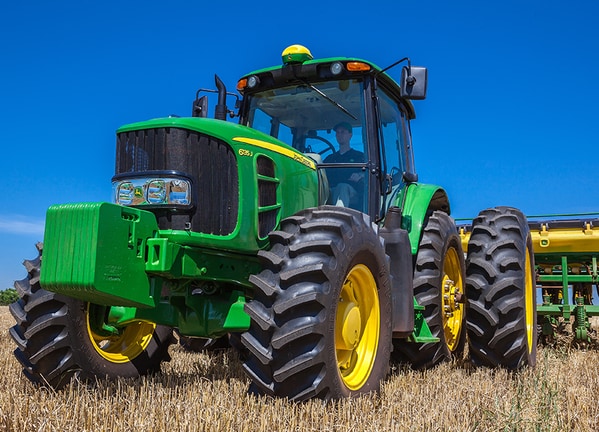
x=220, y=112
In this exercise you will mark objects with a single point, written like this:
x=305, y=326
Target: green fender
x=420, y=200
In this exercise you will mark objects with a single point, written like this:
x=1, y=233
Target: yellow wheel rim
x=529, y=301
x=453, y=289
x=357, y=325
x=133, y=339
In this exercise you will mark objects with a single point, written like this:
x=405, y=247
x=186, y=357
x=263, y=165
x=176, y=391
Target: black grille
x=266, y=222
x=265, y=166
x=267, y=193
x=267, y=196
x=210, y=162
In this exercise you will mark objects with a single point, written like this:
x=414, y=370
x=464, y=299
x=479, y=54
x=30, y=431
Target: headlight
x=168, y=190
x=336, y=68
x=253, y=81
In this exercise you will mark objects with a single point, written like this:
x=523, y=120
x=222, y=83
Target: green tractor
x=319, y=267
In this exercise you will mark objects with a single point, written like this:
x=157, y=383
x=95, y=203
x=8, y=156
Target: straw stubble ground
x=207, y=392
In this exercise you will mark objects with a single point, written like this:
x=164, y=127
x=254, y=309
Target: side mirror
x=413, y=82
x=409, y=177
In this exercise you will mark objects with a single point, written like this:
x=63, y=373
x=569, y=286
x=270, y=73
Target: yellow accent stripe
x=296, y=156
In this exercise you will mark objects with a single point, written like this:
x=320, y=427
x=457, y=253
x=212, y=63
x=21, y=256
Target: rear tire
x=501, y=290
x=321, y=314
x=439, y=276
x=59, y=338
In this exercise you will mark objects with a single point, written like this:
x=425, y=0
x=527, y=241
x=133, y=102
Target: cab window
x=395, y=146
x=308, y=118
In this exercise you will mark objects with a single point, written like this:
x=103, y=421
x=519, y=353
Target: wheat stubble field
x=207, y=392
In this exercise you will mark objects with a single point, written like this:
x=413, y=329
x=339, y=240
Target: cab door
x=396, y=156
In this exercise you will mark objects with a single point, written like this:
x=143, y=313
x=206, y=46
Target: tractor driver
x=346, y=183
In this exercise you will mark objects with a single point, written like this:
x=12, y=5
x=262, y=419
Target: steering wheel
x=328, y=148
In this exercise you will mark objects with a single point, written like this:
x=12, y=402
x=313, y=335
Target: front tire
x=321, y=314
x=59, y=337
x=501, y=290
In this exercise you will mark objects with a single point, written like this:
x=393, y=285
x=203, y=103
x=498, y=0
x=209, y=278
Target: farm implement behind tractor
x=566, y=248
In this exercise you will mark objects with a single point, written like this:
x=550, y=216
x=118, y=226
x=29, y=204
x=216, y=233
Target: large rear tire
x=501, y=290
x=321, y=315
x=439, y=276
x=59, y=338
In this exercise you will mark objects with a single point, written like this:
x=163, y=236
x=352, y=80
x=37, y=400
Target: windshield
x=305, y=115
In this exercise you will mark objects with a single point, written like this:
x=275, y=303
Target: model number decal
x=278, y=148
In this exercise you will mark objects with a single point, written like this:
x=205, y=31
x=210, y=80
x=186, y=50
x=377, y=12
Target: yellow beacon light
x=296, y=54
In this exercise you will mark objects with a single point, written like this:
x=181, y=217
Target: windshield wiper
x=337, y=104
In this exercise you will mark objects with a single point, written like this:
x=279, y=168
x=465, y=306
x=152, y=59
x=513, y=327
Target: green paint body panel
x=416, y=199
x=297, y=183
x=103, y=253
x=172, y=261
x=201, y=315
x=95, y=252
x=207, y=316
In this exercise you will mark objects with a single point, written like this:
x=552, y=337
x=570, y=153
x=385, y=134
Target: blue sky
x=510, y=117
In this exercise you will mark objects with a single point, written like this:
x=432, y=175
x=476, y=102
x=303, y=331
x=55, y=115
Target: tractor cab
x=346, y=114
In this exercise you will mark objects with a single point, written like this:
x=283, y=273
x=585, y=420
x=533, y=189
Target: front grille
x=210, y=162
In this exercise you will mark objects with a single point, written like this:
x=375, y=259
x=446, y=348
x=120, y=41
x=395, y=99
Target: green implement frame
x=566, y=254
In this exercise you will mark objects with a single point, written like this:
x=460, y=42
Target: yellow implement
x=578, y=236
x=566, y=253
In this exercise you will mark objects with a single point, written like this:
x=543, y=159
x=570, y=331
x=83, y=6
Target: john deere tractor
x=245, y=230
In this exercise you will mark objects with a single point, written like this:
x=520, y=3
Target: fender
x=419, y=202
